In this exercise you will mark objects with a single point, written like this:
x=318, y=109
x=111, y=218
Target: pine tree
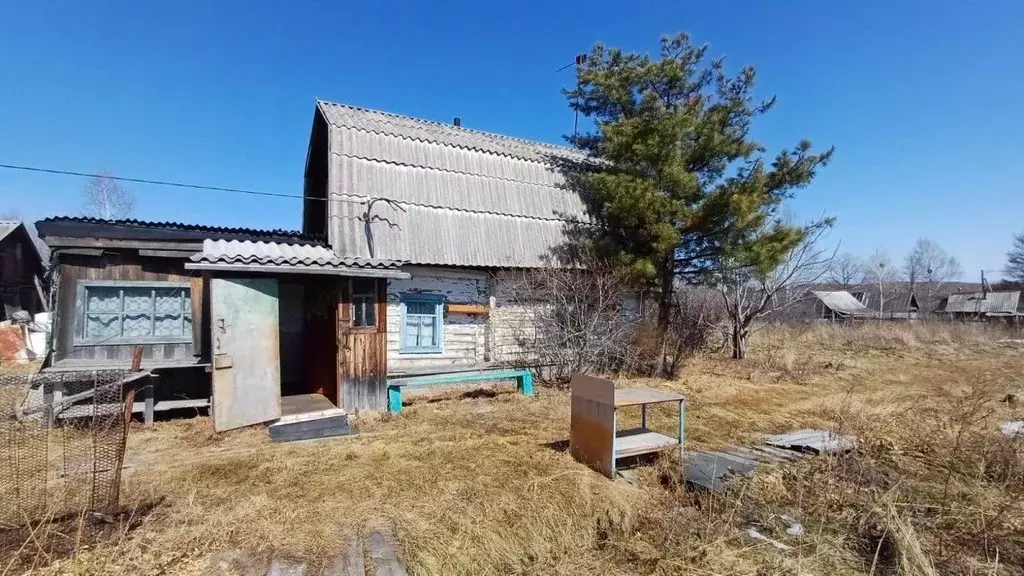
x=679, y=186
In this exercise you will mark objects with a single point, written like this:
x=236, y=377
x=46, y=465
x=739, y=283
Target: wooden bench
x=523, y=378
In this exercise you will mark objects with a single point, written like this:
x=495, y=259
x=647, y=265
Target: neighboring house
x=21, y=270
x=459, y=207
x=899, y=302
x=983, y=305
x=837, y=305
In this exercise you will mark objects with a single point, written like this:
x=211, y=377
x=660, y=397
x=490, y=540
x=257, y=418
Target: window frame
x=437, y=301
x=80, y=338
x=353, y=296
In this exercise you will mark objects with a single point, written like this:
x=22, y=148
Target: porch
x=297, y=336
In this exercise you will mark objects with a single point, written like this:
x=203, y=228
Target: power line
x=156, y=182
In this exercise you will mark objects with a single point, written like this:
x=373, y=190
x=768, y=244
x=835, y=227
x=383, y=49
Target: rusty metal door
x=246, y=349
x=362, y=344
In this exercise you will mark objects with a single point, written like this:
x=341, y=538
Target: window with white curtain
x=134, y=312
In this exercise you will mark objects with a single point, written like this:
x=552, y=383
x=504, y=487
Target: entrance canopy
x=281, y=258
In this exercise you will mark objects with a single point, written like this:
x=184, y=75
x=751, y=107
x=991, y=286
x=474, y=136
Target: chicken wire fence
x=62, y=442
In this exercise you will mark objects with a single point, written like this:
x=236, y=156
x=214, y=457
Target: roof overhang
x=299, y=269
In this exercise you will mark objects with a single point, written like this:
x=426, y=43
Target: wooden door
x=246, y=351
x=362, y=344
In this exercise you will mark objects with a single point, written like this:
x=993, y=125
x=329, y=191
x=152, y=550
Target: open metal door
x=246, y=351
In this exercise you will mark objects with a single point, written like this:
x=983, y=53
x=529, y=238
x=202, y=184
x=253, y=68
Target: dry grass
x=473, y=486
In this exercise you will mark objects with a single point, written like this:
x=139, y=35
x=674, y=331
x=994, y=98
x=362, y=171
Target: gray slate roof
x=460, y=197
x=993, y=303
x=841, y=302
x=306, y=256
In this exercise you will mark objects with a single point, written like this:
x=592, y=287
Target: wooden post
x=136, y=358
x=42, y=297
x=643, y=416
x=682, y=429
x=49, y=413
x=147, y=394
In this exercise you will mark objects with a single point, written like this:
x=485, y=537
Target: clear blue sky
x=922, y=99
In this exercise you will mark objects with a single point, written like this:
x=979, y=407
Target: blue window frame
x=422, y=324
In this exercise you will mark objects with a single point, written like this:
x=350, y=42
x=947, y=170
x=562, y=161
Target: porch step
x=323, y=424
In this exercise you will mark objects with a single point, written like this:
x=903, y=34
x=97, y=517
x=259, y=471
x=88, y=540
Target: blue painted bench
x=523, y=378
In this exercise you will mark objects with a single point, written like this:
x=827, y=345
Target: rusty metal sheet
x=246, y=349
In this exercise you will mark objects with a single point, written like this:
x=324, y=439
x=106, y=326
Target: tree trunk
x=740, y=339
x=665, y=313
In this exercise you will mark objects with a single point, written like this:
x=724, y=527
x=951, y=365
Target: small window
x=135, y=313
x=364, y=303
x=422, y=323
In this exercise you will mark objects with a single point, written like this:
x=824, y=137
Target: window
x=422, y=323
x=364, y=300
x=134, y=312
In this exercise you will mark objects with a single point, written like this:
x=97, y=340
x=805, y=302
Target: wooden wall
x=129, y=266
x=465, y=342
x=20, y=264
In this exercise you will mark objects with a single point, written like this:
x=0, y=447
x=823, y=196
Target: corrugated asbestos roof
x=78, y=226
x=277, y=254
x=458, y=197
x=984, y=303
x=841, y=302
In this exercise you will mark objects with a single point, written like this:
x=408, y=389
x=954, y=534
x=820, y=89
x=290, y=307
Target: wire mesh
x=63, y=438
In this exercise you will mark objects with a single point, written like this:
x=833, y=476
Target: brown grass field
x=473, y=485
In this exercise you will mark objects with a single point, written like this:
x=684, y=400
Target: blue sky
x=922, y=99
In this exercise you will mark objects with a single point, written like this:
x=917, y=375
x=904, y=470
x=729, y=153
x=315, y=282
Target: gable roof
x=989, y=303
x=841, y=301
x=453, y=196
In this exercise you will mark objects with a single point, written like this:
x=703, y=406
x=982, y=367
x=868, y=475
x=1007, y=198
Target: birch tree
x=105, y=198
x=928, y=268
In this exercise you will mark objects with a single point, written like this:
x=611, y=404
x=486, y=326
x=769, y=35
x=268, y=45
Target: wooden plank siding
x=464, y=341
x=123, y=266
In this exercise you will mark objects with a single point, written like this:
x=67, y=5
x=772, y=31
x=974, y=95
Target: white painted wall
x=463, y=342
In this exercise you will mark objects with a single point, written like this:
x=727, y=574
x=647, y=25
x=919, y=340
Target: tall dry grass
x=479, y=486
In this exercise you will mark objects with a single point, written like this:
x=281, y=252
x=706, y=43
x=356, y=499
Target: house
x=837, y=305
x=983, y=305
x=21, y=271
x=459, y=207
x=410, y=228
x=895, y=302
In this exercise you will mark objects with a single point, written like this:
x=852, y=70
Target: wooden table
x=594, y=438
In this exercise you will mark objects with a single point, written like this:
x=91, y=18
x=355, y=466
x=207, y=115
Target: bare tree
x=928, y=268
x=1014, y=269
x=878, y=270
x=106, y=198
x=845, y=270
x=10, y=215
x=748, y=294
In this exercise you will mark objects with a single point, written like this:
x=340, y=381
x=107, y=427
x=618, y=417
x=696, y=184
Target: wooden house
x=409, y=228
x=21, y=271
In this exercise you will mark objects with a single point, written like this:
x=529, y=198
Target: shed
x=21, y=271
x=983, y=305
